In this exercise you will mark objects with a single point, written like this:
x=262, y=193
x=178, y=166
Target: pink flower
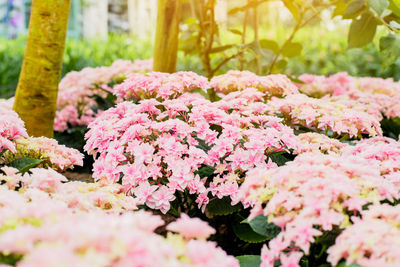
x=191, y=227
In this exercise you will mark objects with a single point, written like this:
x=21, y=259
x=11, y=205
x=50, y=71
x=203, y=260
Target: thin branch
x=299, y=25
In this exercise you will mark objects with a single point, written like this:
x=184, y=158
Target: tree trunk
x=36, y=96
x=167, y=31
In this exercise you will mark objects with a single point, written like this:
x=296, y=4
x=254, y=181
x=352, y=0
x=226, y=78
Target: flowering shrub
x=61, y=238
x=79, y=90
x=313, y=194
x=18, y=149
x=11, y=127
x=315, y=142
x=49, y=186
x=162, y=148
x=325, y=115
x=272, y=85
x=48, y=151
x=159, y=85
x=372, y=240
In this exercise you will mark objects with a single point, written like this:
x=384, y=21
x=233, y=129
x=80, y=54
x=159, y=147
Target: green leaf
x=378, y=5
x=362, y=31
x=218, y=207
x=270, y=45
x=394, y=6
x=353, y=9
x=10, y=259
x=279, y=159
x=292, y=50
x=340, y=8
x=280, y=66
x=261, y=226
x=24, y=164
x=389, y=47
x=245, y=233
x=292, y=8
x=205, y=171
x=234, y=31
x=249, y=260
x=391, y=127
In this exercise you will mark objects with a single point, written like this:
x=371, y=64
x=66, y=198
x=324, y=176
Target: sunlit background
x=101, y=31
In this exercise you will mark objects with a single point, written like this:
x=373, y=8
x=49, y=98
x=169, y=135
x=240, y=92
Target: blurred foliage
x=203, y=36
x=78, y=55
x=327, y=53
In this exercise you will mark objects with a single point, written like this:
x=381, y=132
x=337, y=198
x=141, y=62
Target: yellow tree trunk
x=36, y=96
x=167, y=31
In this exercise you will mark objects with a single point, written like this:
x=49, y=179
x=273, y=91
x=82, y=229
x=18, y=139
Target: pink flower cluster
x=373, y=239
x=377, y=94
x=11, y=126
x=77, y=89
x=315, y=142
x=271, y=85
x=159, y=85
x=49, y=186
x=15, y=144
x=310, y=195
x=158, y=148
x=47, y=227
x=325, y=115
x=53, y=155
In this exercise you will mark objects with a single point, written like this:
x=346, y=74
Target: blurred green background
x=324, y=52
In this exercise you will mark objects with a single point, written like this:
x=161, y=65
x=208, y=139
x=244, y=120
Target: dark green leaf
x=391, y=127
x=279, y=159
x=378, y=5
x=244, y=232
x=390, y=49
x=261, y=226
x=24, y=164
x=270, y=45
x=218, y=207
x=249, y=260
x=292, y=50
x=10, y=259
x=205, y=171
x=362, y=31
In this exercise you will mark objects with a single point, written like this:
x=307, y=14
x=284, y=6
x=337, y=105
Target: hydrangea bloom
x=271, y=85
x=40, y=222
x=324, y=115
x=159, y=148
x=78, y=88
x=310, y=195
x=11, y=126
x=49, y=185
x=376, y=94
x=191, y=227
x=373, y=240
x=159, y=85
x=382, y=149
x=53, y=155
x=315, y=142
